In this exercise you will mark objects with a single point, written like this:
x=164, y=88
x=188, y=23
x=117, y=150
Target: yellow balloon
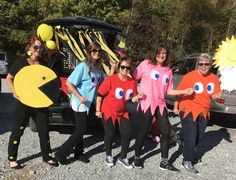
x=45, y=32
x=50, y=44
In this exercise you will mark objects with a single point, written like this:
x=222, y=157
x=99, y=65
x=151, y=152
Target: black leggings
x=146, y=122
x=76, y=138
x=125, y=131
x=21, y=115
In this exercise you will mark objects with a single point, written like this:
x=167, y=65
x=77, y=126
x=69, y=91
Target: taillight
x=220, y=101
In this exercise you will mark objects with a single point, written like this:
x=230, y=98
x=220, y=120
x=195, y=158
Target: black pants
x=146, y=122
x=76, y=139
x=21, y=115
x=125, y=131
x=192, y=132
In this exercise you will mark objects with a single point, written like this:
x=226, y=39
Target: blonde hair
x=204, y=56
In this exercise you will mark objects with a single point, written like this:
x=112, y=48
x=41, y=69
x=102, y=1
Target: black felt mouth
x=51, y=89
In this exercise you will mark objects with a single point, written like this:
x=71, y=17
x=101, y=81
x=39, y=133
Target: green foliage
x=187, y=26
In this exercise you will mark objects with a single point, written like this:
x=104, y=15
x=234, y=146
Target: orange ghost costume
x=200, y=101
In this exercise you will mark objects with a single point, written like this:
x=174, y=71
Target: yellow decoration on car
x=225, y=55
x=45, y=32
x=37, y=86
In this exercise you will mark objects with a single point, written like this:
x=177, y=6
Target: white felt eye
x=119, y=93
x=198, y=87
x=210, y=88
x=165, y=79
x=155, y=74
x=129, y=94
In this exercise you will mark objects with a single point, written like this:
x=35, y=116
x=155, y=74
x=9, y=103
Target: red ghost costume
x=200, y=101
x=116, y=93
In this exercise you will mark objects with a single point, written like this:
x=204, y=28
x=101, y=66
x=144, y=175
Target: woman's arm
x=173, y=92
x=137, y=97
x=98, y=112
x=10, y=80
x=74, y=91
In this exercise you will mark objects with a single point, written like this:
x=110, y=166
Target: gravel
x=218, y=162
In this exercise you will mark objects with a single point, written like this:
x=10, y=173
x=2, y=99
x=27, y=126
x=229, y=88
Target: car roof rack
x=80, y=21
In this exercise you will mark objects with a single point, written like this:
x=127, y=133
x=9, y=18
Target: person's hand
x=140, y=95
x=16, y=96
x=189, y=91
x=176, y=111
x=83, y=99
x=217, y=96
x=98, y=114
x=113, y=63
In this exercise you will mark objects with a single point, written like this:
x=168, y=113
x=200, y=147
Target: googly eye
x=129, y=94
x=99, y=78
x=155, y=74
x=198, y=87
x=94, y=79
x=165, y=79
x=210, y=88
x=119, y=93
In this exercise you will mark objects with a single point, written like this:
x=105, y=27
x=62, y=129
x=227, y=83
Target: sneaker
x=138, y=163
x=165, y=165
x=189, y=167
x=125, y=163
x=110, y=161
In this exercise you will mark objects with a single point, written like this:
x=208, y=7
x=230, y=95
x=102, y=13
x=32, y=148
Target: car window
x=189, y=65
x=177, y=67
x=2, y=57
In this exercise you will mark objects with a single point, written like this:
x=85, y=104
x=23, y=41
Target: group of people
x=110, y=94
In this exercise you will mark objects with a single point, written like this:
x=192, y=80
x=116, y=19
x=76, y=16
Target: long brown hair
x=90, y=47
x=157, y=51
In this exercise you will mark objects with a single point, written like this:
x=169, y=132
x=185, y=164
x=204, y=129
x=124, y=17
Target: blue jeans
x=192, y=132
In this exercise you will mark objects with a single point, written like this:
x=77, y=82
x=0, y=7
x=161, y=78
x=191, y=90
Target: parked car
x=226, y=105
x=63, y=63
x=3, y=64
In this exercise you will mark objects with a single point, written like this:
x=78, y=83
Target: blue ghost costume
x=86, y=81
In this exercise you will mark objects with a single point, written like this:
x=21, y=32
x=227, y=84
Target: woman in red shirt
x=113, y=94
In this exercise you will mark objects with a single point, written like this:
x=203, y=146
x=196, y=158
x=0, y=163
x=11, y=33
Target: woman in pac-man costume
x=83, y=84
x=113, y=94
x=194, y=109
x=22, y=112
x=155, y=81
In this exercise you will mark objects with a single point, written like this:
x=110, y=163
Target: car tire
x=32, y=125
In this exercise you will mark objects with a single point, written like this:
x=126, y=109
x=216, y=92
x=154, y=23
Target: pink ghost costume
x=155, y=82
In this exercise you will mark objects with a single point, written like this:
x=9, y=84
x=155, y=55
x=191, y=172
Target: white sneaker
x=125, y=163
x=110, y=161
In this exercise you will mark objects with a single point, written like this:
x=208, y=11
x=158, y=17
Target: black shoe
x=189, y=167
x=60, y=159
x=18, y=166
x=165, y=165
x=82, y=158
x=53, y=164
x=137, y=162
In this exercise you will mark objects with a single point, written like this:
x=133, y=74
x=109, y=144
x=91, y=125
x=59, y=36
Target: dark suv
x=63, y=63
x=226, y=105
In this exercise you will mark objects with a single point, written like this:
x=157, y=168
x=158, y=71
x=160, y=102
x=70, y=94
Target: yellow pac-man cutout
x=37, y=86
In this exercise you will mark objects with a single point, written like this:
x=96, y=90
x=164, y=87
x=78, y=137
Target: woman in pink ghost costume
x=155, y=81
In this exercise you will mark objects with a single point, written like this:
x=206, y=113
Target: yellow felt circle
x=28, y=81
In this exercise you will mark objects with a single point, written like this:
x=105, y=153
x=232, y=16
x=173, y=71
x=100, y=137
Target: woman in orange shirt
x=194, y=109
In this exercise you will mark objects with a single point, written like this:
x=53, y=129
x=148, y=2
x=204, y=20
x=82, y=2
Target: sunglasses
x=204, y=64
x=96, y=50
x=125, y=67
x=36, y=48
